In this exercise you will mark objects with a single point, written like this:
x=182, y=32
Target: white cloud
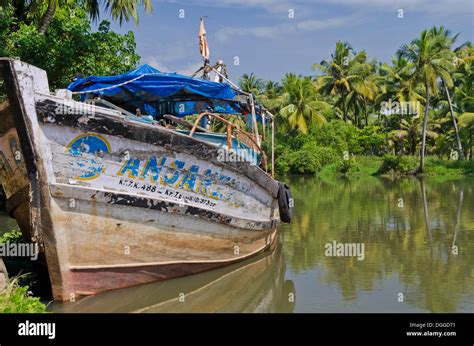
x=171, y=56
x=190, y=69
x=228, y=33
x=273, y=6
x=280, y=30
x=329, y=23
x=278, y=6
x=417, y=6
x=156, y=62
x=153, y=61
x=170, y=51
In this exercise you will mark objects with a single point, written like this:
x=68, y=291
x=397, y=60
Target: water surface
x=418, y=237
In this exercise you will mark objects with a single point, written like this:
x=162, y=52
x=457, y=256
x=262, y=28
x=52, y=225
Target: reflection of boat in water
x=254, y=285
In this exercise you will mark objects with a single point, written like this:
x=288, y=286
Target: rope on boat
x=115, y=86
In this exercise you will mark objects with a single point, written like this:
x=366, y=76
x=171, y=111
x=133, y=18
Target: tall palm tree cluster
x=423, y=100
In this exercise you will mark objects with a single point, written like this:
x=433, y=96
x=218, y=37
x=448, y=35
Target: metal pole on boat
x=273, y=146
x=228, y=81
x=254, y=119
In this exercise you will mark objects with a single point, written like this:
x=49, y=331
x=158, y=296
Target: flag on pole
x=203, y=46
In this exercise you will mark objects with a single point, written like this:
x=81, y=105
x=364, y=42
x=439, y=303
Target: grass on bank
x=16, y=296
x=13, y=236
x=397, y=165
x=18, y=299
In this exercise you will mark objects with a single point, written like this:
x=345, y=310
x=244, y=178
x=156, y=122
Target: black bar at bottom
x=315, y=329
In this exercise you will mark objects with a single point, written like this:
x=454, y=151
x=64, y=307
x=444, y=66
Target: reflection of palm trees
x=458, y=217
x=406, y=243
x=425, y=214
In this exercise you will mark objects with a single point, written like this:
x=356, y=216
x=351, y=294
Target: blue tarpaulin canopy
x=157, y=93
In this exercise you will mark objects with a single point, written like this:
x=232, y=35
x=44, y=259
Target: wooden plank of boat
x=115, y=203
x=184, y=123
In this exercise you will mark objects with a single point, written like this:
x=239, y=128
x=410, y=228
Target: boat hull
x=115, y=203
x=254, y=285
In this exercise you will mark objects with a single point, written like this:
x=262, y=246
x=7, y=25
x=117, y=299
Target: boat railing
x=232, y=130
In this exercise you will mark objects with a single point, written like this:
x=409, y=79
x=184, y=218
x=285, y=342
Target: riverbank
x=398, y=165
x=341, y=148
x=387, y=165
x=15, y=294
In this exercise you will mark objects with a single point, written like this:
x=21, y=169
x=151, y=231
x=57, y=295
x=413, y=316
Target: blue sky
x=269, y=41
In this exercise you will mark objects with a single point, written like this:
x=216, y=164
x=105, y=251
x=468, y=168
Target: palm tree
x=301, y=108
x=271, y=97
x=463, y=96
x=44, y=10
x=341, y=74
x=431, y=61
x=446, y=41
x=364, y=90
x=411, y=130
x=272, y=88
x=250, y=83
x=466, y=120
x=396, y=82
x=464, y=85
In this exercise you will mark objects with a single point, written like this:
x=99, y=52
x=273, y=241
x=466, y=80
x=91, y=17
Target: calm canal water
x=418, y=242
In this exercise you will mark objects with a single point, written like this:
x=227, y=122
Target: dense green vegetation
x=16, y=297
x=69, y=46
x=420, y=104
x=14, y=236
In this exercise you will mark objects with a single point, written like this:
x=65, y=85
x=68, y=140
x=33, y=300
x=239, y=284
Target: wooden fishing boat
x=2, y=198
x=117, y=197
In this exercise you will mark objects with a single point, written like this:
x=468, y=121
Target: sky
x=273, y=37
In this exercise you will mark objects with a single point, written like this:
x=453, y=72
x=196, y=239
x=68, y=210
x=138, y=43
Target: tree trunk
x=425, y=214
x=47, y=17
x=344, y=110
x=423, y=133
x=365, y=112
x=470, y=141
x=458, y=139
x=402, y=147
